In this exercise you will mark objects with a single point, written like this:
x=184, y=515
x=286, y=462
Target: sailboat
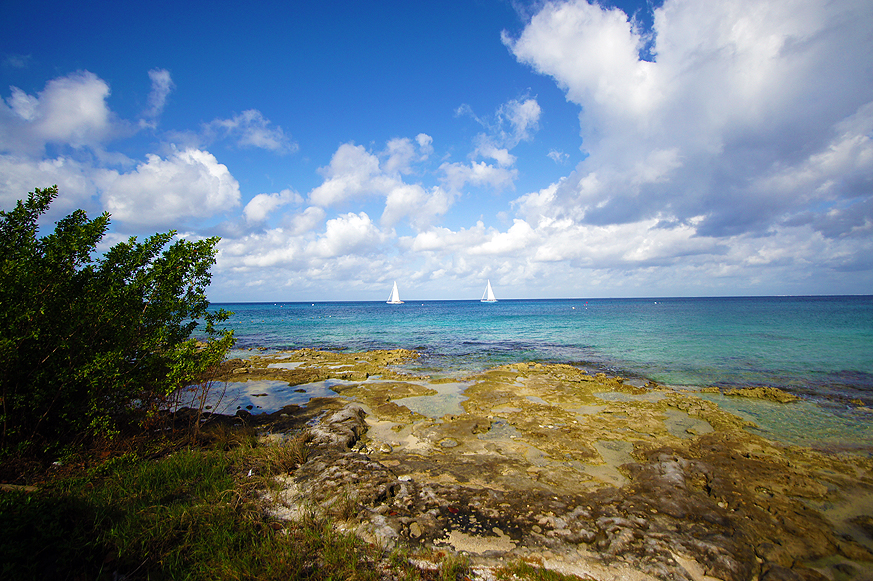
x=394, y=299
x=488, y=295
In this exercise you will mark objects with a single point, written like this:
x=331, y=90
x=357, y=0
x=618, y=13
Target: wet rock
x=764, y=392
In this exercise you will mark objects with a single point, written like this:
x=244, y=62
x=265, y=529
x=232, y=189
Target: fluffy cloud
x=425, y=144
x=401, y=153
x=70, y=110
x=306, y=221
x=270, y=249
x=523, y=119
x=413, y=201
x=262, y=206
x=519, y=236
x=75, y=181
x=558, y=156
x=356, y=174
x=347, y=234
x=162, y=191
x=749, y=114
x=514, y=121
x=353, y=173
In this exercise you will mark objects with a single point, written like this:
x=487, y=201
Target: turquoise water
x=820, y=348
x=812, y=346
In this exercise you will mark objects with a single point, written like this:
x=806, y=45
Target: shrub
x=88, y=343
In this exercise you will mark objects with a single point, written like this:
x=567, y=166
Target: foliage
x=88, y=343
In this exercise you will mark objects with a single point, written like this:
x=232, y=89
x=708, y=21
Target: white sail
x=488, y=295
x=394, y=299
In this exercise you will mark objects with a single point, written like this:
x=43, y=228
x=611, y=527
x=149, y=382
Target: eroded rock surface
x=587, y=475
x=309, y=365
x=763, y=392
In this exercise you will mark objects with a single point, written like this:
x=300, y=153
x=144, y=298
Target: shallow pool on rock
x=681, y=425
x=447, y=400
x=265, y=396
x=650, y=396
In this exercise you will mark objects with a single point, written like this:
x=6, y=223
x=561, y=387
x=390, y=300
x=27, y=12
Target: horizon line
x=550, y=299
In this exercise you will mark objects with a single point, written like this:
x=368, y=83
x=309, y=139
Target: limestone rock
x=764, y=392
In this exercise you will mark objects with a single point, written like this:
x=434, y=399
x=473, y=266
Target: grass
x=190, y=514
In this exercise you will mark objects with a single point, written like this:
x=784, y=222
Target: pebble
x=414, y=530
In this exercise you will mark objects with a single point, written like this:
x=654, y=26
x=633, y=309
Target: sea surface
x=819, y=348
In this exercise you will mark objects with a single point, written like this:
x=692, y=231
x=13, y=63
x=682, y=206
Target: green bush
x=88, y=343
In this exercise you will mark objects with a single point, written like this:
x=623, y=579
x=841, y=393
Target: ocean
x=819, y=347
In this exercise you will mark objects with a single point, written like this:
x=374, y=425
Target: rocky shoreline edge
x=582, y=474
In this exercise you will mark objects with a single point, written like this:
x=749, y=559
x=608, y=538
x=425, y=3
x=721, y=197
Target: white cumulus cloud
x=186, y=185
x=353, y=172
x=741, y=94
x=347, y=234
x=70, y=110
x=262, y=206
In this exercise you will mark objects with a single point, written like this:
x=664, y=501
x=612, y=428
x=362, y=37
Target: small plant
x=344, y=505
x=524, y=570
x=300, y=448
x=221, y=436
x=454, y=568
x=400, y=562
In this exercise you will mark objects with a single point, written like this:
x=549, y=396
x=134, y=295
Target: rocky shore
x=587, y=475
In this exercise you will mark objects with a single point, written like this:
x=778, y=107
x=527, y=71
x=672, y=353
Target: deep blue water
x=818, y=347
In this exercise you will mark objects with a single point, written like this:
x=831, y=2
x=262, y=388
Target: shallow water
x=265, y=396
x=682, y=425
x=447, y=400
x=803, y=423
x=820, y=348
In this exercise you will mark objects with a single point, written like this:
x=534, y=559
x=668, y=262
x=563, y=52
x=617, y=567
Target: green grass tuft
x=524, y=570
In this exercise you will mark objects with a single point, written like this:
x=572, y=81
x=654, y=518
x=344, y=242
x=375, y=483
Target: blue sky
x=559, y=149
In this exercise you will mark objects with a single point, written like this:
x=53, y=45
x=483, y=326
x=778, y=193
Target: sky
x=559, y=149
